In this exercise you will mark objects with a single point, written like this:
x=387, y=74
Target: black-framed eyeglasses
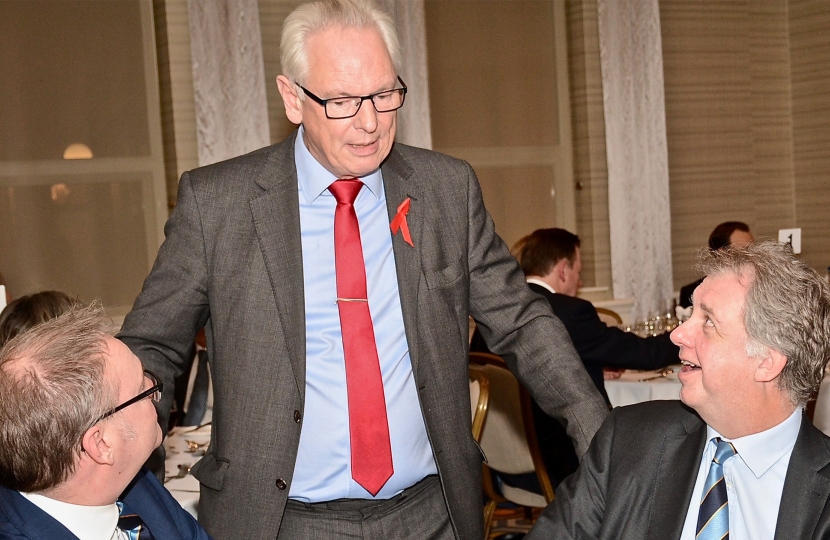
x=346, y=107
x=154, y=393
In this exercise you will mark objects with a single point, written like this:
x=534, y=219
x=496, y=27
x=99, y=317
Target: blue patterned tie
x=713, y=519
x=130, y=523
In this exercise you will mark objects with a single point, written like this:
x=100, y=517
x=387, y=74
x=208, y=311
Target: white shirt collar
x=85, y=522
x=539, y=282
x=761, y=450
x=314, y=179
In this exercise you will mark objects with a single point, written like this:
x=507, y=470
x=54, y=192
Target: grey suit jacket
x=232, y=259
x=637, y=478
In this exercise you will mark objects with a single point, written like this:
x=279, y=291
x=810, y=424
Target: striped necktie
x=713, y=519
x=130, y=523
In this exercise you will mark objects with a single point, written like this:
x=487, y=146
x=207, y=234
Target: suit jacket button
x=297, y=416
x=281, y=484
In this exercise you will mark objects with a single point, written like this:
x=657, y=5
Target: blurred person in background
x=730, y=233
x=28, y=311
x=551, y=262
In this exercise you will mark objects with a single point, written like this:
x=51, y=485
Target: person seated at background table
x=730, y=233
x=737, y=457
x=76, y=423
x=551, y=261
x=28, y=311
x=8, y=294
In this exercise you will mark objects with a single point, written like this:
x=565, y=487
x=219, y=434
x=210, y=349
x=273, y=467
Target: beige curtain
x=413, y=119
x=635, y=130
x=228, y=78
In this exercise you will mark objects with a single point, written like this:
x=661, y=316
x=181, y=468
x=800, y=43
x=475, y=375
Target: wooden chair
x=509, y=442
x=609, y=317
x=479, y=399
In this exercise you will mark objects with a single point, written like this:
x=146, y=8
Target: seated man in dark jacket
x=551, y=262
x=77, y=422
x=730, y=233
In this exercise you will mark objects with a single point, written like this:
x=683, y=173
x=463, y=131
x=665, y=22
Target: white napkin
x=2, y=297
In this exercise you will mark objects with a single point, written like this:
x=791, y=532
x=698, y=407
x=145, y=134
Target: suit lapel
x=276, y=216
x=677, y=472
x=398, y=185
x=806, y=486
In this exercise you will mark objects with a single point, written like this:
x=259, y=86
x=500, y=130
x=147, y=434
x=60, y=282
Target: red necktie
x=368, y=425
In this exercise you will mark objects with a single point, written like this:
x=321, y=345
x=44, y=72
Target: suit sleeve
x=519, y=326
x=158, y=509
x=604, y=346
x=173, y=304
x=579, y=507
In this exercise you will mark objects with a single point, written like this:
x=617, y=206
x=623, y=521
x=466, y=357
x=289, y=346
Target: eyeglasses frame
x=322, y=102
x=158, y=387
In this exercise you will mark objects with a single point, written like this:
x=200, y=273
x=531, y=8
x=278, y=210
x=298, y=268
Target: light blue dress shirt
x=754, y=480
x=323, y=468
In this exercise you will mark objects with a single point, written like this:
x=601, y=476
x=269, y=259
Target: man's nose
x=367, y=117
x=680, y=336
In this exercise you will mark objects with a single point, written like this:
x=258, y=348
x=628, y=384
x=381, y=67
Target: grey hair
x=52, y=389
x=787, y=309
x=315, y=16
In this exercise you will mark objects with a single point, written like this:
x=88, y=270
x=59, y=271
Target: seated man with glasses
x=77, y=422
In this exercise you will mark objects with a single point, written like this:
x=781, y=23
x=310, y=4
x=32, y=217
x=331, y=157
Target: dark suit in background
x=685, y=298
x=145, y=496
x=232, y=261
x=598, y=346
x=660, y=444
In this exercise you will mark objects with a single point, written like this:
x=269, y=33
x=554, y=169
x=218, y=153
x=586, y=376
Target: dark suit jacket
x=685, y=298
x=232, y=259
x=636, y=480
x=598, y=346
x=145, y=496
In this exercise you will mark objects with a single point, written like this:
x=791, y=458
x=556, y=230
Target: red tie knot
x=345, y=190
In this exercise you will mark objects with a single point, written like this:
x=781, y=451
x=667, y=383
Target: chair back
x=509, y=437
x=479, y=399
x=609, y=317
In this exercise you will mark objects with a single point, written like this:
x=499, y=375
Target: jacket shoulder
x=416, y=158
x=279, y=155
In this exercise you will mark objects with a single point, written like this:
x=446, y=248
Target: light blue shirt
x=323, y=467
x=754, y=480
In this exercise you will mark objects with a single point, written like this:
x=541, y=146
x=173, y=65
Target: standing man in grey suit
x=335, y=272
x=737, y=457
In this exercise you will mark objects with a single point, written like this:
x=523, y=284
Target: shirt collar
x=760, y=451
x=314, y=179
x=85, y=522
x=539, y=282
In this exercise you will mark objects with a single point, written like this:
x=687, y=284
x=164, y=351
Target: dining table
x=184, y=447
x=637, y=386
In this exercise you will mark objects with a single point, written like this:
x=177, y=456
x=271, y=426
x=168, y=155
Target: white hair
x=316, y=16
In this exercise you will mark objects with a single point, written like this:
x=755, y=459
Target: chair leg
x=489, y=511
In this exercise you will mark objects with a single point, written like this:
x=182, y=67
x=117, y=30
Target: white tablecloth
x=186, y=489
x=628, y=389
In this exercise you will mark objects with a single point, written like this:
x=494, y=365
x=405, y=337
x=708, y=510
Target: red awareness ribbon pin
x=399, y=222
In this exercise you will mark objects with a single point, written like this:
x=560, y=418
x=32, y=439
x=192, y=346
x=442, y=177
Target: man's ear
x=559, y=270
x=96, y=445
x=770, y=366
x=293, y=103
